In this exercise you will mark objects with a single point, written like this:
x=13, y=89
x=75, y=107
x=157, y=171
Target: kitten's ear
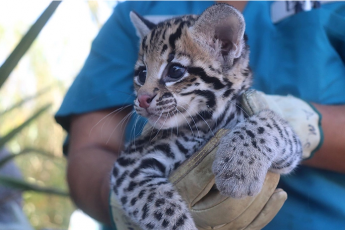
x=224, y=23
x=142, y=26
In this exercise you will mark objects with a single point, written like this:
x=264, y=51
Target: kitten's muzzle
x=145, y=100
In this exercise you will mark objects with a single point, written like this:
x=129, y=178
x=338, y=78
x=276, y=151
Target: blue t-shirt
x=302, y=55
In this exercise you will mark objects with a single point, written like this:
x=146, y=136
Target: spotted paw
x=241, y=163
x=237, y=181
x=160, y=207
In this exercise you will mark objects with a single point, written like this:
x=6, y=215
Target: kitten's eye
x=142, y=76
x=175, y=72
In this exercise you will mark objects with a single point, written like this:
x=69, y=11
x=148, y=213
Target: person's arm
x=331, y=155
x=91, y=158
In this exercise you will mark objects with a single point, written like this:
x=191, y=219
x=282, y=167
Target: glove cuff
x=319, y=127
x=301, y=115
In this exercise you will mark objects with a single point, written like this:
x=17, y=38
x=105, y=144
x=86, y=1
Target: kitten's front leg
x=260, y=143
x=148, y=198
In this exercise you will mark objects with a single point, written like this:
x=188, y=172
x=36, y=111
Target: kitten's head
x=189, y=68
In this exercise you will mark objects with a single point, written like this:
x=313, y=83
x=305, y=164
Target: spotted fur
x=188, y=78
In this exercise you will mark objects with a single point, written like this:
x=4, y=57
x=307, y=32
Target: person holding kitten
x=300, y=53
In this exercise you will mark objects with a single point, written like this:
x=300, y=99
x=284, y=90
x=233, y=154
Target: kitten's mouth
x=156, y=117
x=160, y=118
x=161, y=121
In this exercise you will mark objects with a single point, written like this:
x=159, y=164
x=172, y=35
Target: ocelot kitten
x=188, y=78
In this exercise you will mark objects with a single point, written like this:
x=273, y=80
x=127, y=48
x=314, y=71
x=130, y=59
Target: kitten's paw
x=239, y=182
x=240, y=168
x=160, y=208
x=168, y=215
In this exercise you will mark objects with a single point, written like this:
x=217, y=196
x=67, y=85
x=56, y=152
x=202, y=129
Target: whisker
x=115, y=111
x=186, y=121
x=176, y=125
x=133, y=131
x=123, y=119
x=155, y=124
x=109, y=120
x=192, y=119
x=160, y=127
x=172, y=129
x=143, y=126
x=206, y=123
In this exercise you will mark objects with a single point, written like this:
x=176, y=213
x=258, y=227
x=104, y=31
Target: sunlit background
x=50, y=65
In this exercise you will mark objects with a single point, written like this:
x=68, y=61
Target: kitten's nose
x=145, y=100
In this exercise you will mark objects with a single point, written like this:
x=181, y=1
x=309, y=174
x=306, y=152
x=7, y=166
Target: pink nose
x=145, y=100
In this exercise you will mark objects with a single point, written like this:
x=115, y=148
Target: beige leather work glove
x=194, y=181
x=302, y=116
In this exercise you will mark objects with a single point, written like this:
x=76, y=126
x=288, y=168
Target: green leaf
x=19, y=103
x=25, y=186
x=26, y=41
x=10, y=157
x=11, y=134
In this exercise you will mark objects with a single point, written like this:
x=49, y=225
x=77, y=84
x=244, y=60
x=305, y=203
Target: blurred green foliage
x=42, y=133
x=28, y=125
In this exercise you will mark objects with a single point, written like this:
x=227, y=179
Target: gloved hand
x=302, y=116
x=194, y=181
